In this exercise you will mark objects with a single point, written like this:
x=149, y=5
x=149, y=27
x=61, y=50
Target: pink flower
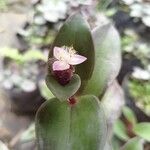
x=66, y=56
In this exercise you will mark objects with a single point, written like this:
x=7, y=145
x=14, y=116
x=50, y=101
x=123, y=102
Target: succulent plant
x=82, y=64
x=139, y=9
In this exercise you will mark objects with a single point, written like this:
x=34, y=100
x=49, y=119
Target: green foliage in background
x=140, y=91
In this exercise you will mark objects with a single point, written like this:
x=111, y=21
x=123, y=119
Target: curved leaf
x=133, y=144
x=107, y=59
x=143, y=130
x=60, y=126
x=120, y=130
x=53, y=125
x=63, y=92
x=76, y=32
x=110, y=100
x=129, y=114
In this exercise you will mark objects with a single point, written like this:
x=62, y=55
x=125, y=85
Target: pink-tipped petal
x=60, y=53
x=76, y=59
x=60, y=65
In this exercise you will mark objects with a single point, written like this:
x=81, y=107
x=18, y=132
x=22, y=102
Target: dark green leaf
x=76, y=32
x=88, y=125
x=107, y=59
x=53, y=125
x=63, y=92
x=60, y=126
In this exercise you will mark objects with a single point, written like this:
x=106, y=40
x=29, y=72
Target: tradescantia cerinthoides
x=81, y=64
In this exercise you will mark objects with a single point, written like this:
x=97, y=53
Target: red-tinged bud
x=72, y=101
x=63, y=76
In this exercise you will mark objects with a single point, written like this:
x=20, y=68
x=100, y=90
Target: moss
x=140, y=91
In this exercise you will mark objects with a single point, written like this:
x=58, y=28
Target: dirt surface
x=13, y=125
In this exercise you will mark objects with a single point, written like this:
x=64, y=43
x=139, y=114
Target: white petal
x=76, y=59
x=57, y=52
x=60, y=65
x=61, y=54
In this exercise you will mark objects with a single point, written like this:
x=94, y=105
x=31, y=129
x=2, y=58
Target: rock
x=9, y=28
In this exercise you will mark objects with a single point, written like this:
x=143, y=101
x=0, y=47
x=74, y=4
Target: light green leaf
x=66, y=91
x=28, y=134
x=129, y=114
x=103, y=4
x=143, y=130
x=120, y=130
x=10, y=53
x=133, y=144
x=44, y=90
x=31, y=55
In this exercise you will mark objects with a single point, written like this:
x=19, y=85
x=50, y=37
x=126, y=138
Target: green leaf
x=120, y=130
x=133, y=144
x=107, y=59
x=103, y=4
x=28, y=134
x=53, y=125
x=129, y=114
x=110, y=100
x=31, y=55
x=44, y=91
x=10, y=53
x=143, y=130
x=60, y=126
x=116, y=143
x=76, y=32
x=63, y=92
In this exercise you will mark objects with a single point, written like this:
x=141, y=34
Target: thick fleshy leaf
x=66, y=91
x=60, y=126
x=120, y=130
x=107, y=59
x=143, y=130
x=133, y=144
x=129, y=114
x=116, y=143
x=113, y=97
x=76, y=32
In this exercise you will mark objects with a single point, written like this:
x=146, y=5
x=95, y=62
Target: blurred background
x=27, y=29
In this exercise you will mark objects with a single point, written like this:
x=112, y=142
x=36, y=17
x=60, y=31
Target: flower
x=66, y=56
